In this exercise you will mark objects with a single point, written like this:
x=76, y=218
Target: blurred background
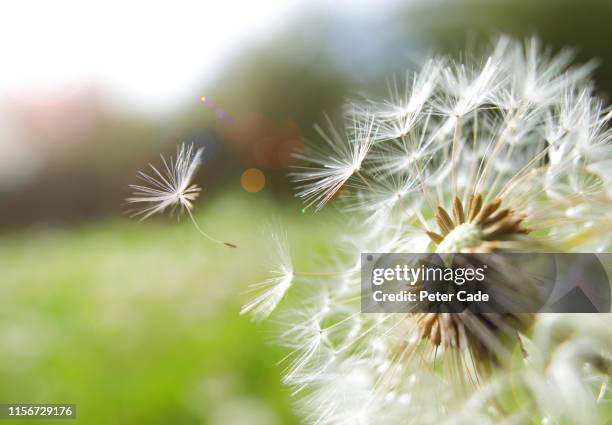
x=137, y=323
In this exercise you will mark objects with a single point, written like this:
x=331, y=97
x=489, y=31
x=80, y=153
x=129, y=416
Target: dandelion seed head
x=508, y=152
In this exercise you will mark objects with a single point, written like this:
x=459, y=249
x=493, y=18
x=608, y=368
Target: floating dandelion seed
x=508, y=153
x=272, y=290
x=171, y=188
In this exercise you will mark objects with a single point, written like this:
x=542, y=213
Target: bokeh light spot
x=253, y=180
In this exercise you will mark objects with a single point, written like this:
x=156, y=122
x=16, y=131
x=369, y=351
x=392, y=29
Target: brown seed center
x=479, y=228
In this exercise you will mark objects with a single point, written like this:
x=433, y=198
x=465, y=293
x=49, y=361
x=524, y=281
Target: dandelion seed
x=171, y=188
x=400, y=112
x=466, y=88
x=334, y=166
x=272, y=290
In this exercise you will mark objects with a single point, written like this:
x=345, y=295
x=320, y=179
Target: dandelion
x=507, y=153
x=171, y=188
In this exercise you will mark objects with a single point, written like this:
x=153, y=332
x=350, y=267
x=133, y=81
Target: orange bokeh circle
x=253, y=180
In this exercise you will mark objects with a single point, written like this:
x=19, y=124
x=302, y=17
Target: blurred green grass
x=137, y=323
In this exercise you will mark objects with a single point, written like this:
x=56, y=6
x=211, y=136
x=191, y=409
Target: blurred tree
x=582, y=24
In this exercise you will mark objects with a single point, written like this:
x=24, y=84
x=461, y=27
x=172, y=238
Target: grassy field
x=137, y=323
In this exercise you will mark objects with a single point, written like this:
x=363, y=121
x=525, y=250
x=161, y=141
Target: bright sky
x=149, y=54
